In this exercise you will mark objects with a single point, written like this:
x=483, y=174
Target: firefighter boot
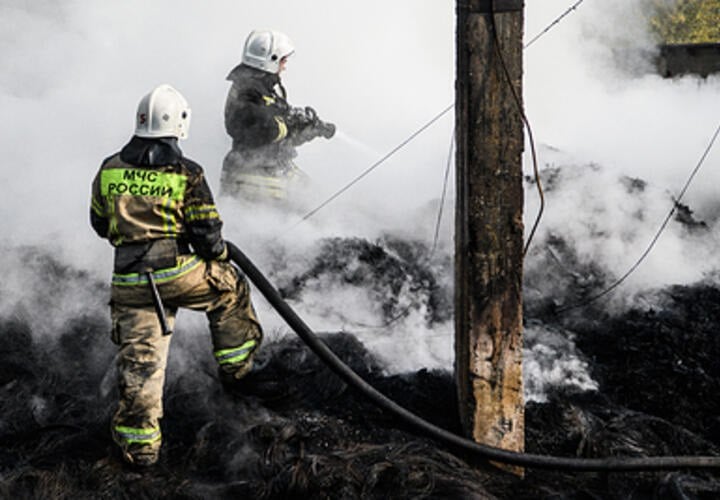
x=259, y=382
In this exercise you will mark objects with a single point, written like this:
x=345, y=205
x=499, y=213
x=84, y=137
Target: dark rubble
x=316, y=438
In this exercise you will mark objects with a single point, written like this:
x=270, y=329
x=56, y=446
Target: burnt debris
x=316, y=438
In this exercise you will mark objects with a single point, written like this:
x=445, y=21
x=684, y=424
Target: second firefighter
x=264, y=128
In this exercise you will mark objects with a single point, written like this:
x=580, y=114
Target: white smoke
x=71, y=74
x=550, y=360
x=592, y=95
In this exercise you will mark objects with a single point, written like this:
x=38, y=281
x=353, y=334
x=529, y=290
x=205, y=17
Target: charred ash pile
x=656, y=370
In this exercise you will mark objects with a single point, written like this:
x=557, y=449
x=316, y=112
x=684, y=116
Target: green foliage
x=686, y=21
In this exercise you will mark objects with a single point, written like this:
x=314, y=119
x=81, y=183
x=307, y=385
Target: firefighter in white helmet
x=155, y=207
x=264, y=128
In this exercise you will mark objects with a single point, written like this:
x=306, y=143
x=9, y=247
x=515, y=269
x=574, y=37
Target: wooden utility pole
x=489, y=223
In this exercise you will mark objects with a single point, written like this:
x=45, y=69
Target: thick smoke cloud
x=591, y=90
x=605, y=116
x=71, y=74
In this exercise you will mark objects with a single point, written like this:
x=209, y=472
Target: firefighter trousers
x=216, y=288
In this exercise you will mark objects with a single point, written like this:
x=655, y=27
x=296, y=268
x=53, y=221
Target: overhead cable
x=376, y=164
x=443, y=195
x=552, y=24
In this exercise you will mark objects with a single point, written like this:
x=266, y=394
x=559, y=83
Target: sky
x=72, y=73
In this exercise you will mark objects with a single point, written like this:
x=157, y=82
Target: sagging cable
x=442, y=435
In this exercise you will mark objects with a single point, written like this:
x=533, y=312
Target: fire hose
x=484, y=451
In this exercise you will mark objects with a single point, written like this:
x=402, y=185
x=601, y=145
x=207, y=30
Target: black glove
x=304, y=125
x=298, y=119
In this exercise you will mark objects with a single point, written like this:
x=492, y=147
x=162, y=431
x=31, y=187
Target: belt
x=154, y=254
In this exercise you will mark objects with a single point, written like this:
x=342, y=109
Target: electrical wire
x=375, y=165
x=526, y=122
x=655, y=238
x=487, y=452
x=443, y=195
x=405, y=310
x=436, y=237
x=552, y=24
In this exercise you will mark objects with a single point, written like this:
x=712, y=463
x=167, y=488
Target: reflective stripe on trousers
x=132, y=435
x=235, y=354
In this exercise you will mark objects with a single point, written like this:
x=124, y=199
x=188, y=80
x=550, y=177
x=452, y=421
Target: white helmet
x=164, y=112
x=264, y=49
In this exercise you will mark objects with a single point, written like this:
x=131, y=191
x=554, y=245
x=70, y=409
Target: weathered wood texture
x=489, y=229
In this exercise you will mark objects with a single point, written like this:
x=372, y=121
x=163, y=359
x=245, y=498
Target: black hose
x=487, y=452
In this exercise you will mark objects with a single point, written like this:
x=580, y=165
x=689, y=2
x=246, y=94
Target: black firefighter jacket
x=260, y=120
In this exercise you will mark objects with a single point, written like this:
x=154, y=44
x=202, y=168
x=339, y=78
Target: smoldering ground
x=316, y=438
x=597, y=381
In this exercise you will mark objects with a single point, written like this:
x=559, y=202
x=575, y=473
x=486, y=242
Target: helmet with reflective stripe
x=265, y=48
x=164, y=112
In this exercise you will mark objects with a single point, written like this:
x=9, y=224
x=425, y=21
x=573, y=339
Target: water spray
x=357, y=145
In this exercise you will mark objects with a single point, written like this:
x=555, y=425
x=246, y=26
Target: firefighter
x=264, y=128
x=155, y=207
